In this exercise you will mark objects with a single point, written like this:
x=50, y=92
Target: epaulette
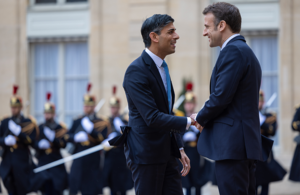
x=33, y=120
x=105, y=118
x=178, y=112
x=63, y=125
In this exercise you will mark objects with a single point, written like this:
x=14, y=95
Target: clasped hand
x=195, y=123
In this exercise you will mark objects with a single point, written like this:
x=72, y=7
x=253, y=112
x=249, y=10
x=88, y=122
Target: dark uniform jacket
x=16, y=168
x=58, y=175
x=116, y=174
x=270, y=170
x=201, y=169
x=85, y=175
x=295, y=168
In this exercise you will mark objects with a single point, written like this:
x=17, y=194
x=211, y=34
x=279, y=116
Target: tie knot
x=164, y=64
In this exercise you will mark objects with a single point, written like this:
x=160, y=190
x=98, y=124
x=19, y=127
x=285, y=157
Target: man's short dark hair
x=227, y=12
x=155, y=24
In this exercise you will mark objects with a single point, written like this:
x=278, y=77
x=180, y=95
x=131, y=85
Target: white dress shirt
x=231, y=37
x=158, y=62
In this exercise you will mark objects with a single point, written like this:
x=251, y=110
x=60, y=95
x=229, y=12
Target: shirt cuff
x=188, y=124
x=181, y=148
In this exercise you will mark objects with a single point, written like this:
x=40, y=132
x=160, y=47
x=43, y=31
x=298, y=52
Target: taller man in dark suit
x=231, y=134
x=154, y=141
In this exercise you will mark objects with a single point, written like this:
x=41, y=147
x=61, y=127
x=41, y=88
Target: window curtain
x=266, y=51
x=76, y=79
x=45, y=77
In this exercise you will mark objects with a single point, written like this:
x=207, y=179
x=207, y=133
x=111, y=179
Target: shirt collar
x=231, y=37
x=157, y=60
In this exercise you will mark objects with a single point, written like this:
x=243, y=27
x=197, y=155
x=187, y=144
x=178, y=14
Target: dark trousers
x=157, y=179
x=236, y=177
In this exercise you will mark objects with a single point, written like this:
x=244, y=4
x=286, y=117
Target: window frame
x=61, y=79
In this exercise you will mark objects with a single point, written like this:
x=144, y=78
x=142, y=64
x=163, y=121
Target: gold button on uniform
x=11, y=149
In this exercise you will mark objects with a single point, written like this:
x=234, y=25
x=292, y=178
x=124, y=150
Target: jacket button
x=11, y=149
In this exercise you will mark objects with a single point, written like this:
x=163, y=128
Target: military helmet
x=49, y=107
x=114, y=101
x=189, y=95
x=88, y=99
x=15, y=100
x=261, y=95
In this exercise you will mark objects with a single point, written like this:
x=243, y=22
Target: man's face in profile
x=211, y=31
x=167, y=39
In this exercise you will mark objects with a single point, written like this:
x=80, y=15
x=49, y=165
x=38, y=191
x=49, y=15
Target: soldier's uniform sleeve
x=69, y=136
x=269, y=127
x=102, y=129
x=296, y=120
x=29, y=133
x=2, y=134
x=59, y=140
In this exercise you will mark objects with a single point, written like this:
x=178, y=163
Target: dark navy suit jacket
x=230, y=116
x=150, y=140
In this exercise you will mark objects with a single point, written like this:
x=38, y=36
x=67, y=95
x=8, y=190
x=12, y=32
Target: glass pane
x=45, y=1
x=76, y=59
x=46, y=60
x=74, y=92
x=269, y=85
x=266, y=51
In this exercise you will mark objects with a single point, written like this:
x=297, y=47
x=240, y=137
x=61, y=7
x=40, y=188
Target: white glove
x=44, y=144
x=49, y=133
x=14, y=128
x=189, y=137
x=194, y=129
x=87, y=125
x=118, y=123
x=105, y=142
x=10, y=140
x=81, y=137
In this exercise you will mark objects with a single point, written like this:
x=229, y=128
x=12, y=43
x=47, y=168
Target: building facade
x=61, y=45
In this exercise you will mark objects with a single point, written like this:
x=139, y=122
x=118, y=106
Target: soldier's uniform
x=201, y=169
x=271, y=170
x=295, y=168
x=16, y=135
x=116, y=174
x=85, y=175
x=48, y=145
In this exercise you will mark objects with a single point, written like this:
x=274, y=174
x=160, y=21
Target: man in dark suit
x=154, y=141
x=231, y=134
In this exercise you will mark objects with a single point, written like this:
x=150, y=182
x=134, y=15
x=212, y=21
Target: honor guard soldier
x=295, y=168
x=17, y=133
x=200, y=172
x=116, y=174
x=48, y=146
x=271, y=170
x=86, y=132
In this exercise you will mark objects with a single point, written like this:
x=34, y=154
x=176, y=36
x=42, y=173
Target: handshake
x=195, y=123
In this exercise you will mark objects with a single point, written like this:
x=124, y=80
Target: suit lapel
x=152, y=67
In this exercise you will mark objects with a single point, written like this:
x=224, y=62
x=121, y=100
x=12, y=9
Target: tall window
x=63, y=70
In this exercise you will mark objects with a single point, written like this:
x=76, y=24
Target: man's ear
x=154, y=37
x=222, y=25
